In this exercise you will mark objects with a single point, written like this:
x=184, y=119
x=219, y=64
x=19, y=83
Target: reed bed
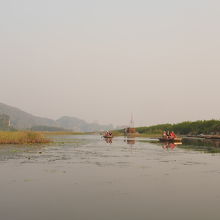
x=22, y=137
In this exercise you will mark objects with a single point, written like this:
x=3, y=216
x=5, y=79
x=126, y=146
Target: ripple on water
x=89, y=177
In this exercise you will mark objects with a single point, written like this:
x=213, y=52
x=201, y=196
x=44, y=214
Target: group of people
x=108, y=134
x=169, y=135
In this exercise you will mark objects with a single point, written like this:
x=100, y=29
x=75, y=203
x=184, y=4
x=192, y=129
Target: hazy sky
x=101, y=60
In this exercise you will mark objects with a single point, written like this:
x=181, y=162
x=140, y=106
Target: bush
x=184, y=128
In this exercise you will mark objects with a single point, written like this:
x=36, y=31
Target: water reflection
x=196, y=144
x=130, y=141
x=108, y=140
x=169, y=145
x=205, y=145
x=82, y=177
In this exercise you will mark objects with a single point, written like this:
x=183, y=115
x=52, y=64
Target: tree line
x=184, y=128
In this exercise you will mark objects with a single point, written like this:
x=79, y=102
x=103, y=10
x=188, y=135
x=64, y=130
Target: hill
x=22, y=120
x=75, y=124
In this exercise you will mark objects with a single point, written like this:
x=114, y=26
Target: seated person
x=172, y=135
x=164, y=134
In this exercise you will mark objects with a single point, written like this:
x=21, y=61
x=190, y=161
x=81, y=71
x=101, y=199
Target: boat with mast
x=130, y=131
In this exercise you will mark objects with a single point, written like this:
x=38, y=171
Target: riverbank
x=206, y=127
x=22, y=137
x=209, y=129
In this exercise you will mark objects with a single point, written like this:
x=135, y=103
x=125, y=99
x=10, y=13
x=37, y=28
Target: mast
x=132, y=121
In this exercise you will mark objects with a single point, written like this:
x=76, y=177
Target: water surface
x=86, y=177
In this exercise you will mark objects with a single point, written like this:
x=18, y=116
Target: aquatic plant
x=22, y=137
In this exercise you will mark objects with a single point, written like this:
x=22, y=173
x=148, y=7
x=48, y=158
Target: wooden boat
x=108, y=136
x=164, y=139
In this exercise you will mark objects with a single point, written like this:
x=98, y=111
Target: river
x=86, y=178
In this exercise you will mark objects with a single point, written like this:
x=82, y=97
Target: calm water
x=85, y=178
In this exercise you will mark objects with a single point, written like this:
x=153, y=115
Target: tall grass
x=22, y=137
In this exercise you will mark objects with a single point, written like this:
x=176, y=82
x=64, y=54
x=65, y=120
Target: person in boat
x=172, y=135
x=108, y=134
x=165, y=134
x=168, y=134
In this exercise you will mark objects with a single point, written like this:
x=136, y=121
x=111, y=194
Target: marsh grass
x=22, y=137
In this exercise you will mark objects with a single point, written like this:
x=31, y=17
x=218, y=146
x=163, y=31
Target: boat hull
x=170, y=139
x=105, y=136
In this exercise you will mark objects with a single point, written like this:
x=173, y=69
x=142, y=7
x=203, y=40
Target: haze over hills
x=23, y=120
x=73, y=123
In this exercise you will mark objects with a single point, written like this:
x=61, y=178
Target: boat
x=165, y=139
x=108, y=136
x=130, y=131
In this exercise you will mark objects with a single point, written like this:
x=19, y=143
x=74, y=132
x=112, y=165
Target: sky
x=104, y=60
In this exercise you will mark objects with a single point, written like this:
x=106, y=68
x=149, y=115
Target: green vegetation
x=22, y=137
x=116, y=133
x=184, y=128
x=204, y=145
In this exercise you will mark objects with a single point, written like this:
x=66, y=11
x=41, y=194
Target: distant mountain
x=75, y=124
x=48, y=128
x=22, y=120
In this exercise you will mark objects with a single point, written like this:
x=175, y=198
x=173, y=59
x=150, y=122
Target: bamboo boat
x=108, y=136
x=164, y=139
